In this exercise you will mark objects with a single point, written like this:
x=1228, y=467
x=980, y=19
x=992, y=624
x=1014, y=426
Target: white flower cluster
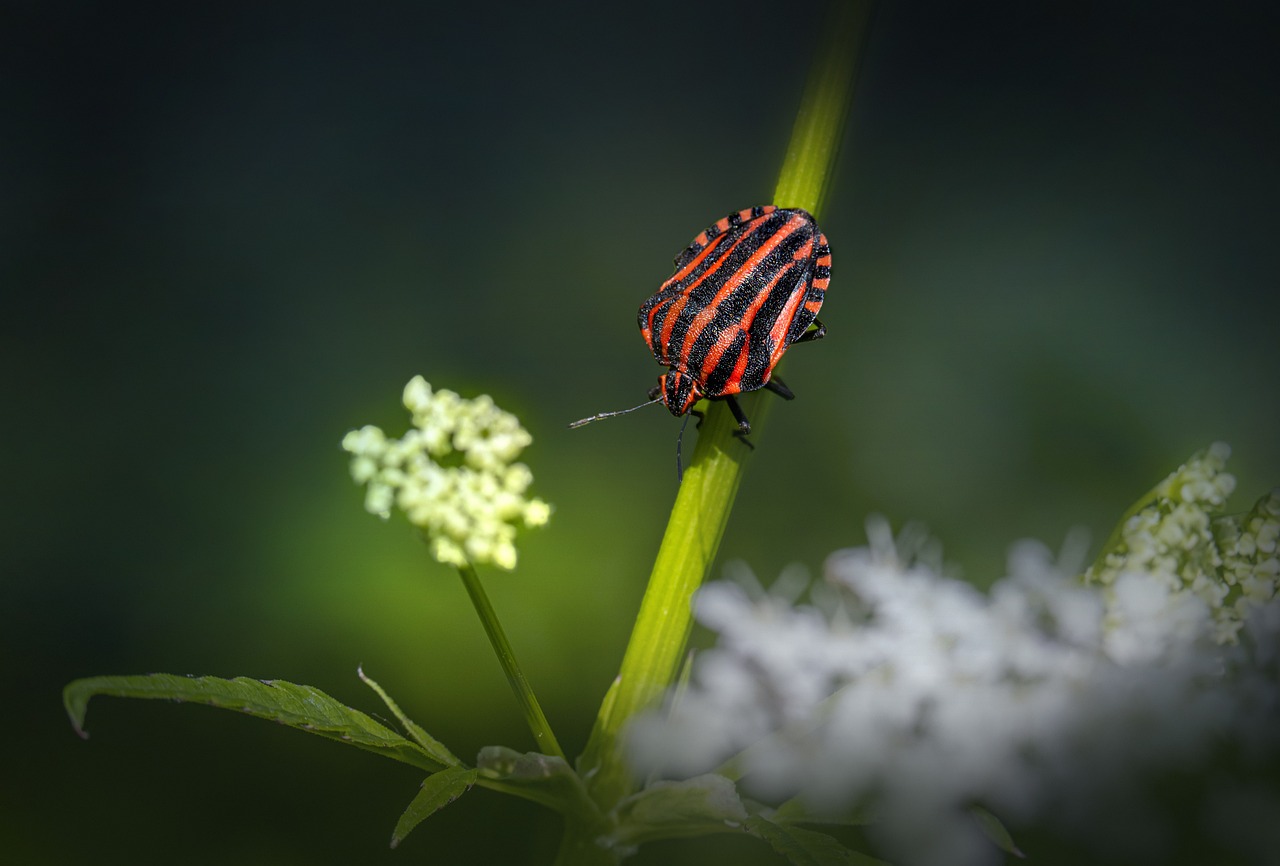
x=1179, y=537
x=452, y=475
x=1250, y=561
x=915, y=696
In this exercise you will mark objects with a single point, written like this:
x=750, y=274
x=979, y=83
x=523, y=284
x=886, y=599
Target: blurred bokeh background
x=231, y=232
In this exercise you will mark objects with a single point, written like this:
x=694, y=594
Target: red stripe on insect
x=778, y=334
x=695, y=261
x=668, y=324
x=677, y=307
x=707, y=313
x=743, y=357
x=749, y=315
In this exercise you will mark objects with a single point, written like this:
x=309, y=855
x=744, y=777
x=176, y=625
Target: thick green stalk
x=506, y=657
x=824, y=108
x=710, y=483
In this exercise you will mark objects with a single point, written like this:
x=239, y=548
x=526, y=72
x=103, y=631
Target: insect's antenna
x=583, y=421
x=679, y=440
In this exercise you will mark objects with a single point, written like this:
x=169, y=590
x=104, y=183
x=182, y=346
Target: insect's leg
x=817, y=333
x=744, y=426
x=679, y=442
x=780, y=388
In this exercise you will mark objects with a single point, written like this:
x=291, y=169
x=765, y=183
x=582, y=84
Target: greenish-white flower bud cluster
x=1179, y=535
x=1250, y=564
x=452, y=475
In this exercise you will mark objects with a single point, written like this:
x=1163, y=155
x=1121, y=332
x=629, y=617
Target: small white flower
x=452, y=475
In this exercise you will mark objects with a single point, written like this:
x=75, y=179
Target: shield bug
x=744, y=290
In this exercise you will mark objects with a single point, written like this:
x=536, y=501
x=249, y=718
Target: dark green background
x=231, y=232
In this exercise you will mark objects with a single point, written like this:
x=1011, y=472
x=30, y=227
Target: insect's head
x=678, y=391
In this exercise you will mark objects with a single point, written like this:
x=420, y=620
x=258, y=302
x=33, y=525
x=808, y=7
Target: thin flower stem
x=710, y=484
x=547, y=743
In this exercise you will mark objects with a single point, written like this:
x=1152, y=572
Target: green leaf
x=795, y=811
x=430, y=744
x=438, y=790
x=544, y=779
x=667, y=810
x=807, y=847
x=995, y=831
x=302, y=707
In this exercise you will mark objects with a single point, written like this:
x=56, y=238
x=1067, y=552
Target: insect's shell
x=744, y=290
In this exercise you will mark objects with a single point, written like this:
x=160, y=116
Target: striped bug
x=744, y=290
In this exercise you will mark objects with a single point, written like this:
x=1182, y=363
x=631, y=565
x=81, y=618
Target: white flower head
x=1048, y=700
x=452, y=474
x=1178, y=535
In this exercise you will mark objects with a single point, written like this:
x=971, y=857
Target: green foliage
x=693, y=807
x=807, y=847
x=796, y=811
x=995, y=831
x=432, y=746
x=545, y=779
x=302, y=707
x=711, y=804
x=438, y=790
x=663, y=810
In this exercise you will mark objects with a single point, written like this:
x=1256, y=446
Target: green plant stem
x=578, y=846
x=824, y=109
x=706, y=495
x=547, y=743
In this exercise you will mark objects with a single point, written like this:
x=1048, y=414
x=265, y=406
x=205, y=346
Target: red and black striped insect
x=744, y=290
